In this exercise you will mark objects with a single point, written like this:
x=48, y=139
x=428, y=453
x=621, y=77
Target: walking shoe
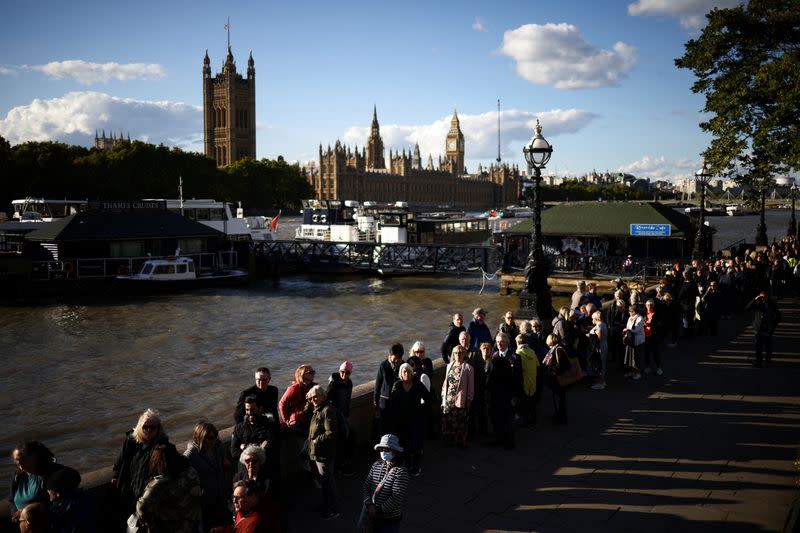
x=647, y=370
x=599, y=386
x=659, y=372
x=636, y=377
x=629, y=374
x=330, y=515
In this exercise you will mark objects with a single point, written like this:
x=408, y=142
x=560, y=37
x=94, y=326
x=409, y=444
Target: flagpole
x=228, y=27
x=180, y=192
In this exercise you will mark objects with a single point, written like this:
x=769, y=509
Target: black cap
x=397, y=349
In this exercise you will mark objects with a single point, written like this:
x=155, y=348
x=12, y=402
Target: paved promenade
x=709, y=446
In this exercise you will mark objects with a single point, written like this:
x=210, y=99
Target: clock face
x=451, y=144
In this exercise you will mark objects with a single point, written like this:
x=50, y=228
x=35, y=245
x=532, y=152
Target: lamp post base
x=761, y=235
x=537, y=305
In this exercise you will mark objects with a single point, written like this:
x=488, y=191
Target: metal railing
x=380, y=256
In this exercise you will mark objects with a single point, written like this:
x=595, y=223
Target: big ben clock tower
x=454, y=146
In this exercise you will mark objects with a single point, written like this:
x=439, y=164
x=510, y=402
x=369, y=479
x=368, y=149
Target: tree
x=747, y=64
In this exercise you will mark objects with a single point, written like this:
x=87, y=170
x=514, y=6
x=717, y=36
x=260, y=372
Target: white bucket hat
x=391, y=442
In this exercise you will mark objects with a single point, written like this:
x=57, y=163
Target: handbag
x=573, y=375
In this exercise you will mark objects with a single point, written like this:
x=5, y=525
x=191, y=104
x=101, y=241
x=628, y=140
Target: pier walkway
x=709, y=446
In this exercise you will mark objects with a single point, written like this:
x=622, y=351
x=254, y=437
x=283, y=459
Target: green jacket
x=323, y=433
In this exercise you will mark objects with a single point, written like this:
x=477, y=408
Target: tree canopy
x=135, y=170
x=747, y=64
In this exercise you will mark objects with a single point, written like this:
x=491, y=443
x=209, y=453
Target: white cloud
x=480, y=132
x=87, y=73
x=557, y=55
x=74, y=117
x=659, y=168
x=7, y=71
x=652, y=166
x=690, y=12
x=478, y=25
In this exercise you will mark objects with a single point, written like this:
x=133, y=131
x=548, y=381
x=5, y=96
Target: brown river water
x=77, y=375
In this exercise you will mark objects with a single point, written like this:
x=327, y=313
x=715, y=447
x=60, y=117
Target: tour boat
x=737, y=210
x=179, y=272
x=218, y=215
x=335, y=221
x=45, y=210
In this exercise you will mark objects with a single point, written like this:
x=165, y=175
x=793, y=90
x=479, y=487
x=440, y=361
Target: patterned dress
x=454, y=419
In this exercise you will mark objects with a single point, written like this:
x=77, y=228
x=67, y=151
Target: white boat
x=45, y=210
x=335, y=221
x=737, y=210
x=516, y=211
x=218, y=215
x=179, y=272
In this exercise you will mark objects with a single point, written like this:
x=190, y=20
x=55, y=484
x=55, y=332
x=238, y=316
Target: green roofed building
x=604, y=229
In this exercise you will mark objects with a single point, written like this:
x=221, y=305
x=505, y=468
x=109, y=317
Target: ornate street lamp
x=703, y=176
x=535, y=299
x=792, y=220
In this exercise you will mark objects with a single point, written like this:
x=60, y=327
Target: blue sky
x=599, y=75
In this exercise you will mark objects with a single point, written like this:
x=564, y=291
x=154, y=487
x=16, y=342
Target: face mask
x=387, y=456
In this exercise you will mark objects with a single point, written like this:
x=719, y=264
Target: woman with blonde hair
x=292, y=406
x=132, y=469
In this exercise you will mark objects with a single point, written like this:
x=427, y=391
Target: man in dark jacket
x=451, y=339
x=266, y=394
x=765, y=321
x=340, y=392
x=478, y=330
x=388, y=373
x=499, y=388
x=256, y=429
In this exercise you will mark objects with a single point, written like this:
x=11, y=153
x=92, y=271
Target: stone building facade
x=229, y=111
x=101, y=142
x=365, y=175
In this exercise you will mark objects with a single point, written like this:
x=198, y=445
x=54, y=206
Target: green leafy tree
x=747, y=64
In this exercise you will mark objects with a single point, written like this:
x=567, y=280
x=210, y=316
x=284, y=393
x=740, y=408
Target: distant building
x=229, y=111
x=365, y=175
x=101, y=142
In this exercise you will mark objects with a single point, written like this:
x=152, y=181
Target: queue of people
x=492, y=387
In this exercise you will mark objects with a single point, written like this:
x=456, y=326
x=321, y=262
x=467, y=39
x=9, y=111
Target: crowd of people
x=492, y=386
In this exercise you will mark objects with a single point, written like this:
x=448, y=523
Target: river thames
x=77, y=375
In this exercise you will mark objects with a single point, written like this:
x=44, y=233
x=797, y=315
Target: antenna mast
x=498, y=130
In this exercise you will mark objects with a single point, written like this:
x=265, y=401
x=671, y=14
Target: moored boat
x=179, y=273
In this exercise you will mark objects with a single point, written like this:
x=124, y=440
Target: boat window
x=181, y=268
x=203, y=214
x=216, y=214
x=164, y=269
x=147, y=268
x=191, y=267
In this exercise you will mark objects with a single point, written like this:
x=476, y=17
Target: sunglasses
x=148, y=427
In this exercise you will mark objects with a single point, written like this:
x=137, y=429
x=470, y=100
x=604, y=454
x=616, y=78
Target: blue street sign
x=651, y=230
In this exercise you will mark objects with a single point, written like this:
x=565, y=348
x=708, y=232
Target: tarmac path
x=708, y=446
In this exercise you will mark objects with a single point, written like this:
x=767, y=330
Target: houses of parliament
x=229, y=122
x=347, y=174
